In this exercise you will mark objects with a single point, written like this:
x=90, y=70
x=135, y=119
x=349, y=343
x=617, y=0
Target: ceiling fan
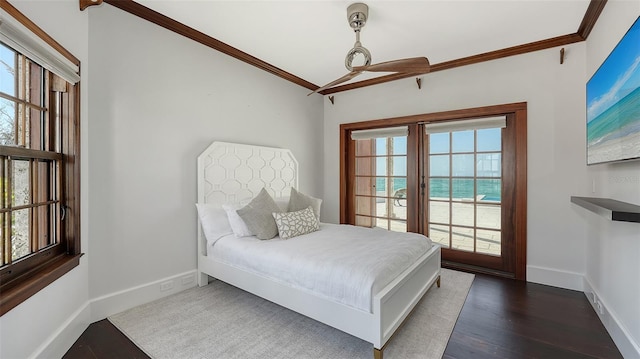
x=357, y=15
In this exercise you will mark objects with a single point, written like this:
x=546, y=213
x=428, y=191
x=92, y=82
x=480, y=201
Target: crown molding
x=179, y=28
x=588, y=22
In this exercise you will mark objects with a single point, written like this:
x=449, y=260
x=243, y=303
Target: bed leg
x=377, y=353
x=438, y=282
x=203, y=279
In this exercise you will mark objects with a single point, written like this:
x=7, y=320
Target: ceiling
x=310, y=39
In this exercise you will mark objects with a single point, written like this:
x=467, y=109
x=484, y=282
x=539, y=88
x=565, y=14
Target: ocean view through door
x=463, y=190
x=458, y=177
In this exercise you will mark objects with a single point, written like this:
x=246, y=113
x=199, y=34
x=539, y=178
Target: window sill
x=31, y=283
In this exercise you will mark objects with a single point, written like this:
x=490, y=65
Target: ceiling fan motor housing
x=357, y=15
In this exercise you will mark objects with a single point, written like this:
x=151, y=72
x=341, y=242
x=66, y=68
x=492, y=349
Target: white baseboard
x=555, y=278
x=100, y=308
x=113, y=303
x=59, y=342
x=628, y=347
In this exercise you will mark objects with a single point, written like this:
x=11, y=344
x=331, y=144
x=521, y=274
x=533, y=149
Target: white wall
x=613, y=248
x=32, y=327
x=556, y=129
x=158, y=100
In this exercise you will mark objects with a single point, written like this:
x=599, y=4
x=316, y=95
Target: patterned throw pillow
x=292, y=224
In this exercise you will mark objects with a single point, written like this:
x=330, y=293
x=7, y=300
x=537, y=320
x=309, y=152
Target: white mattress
x=344, y=263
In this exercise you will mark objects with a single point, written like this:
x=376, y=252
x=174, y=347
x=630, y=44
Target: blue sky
x=617, y=76
x=399, y=163
x=6, y=78
x=463, y=141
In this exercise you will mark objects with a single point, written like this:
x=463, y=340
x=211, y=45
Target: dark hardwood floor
x=501, y=318
x=102, y=340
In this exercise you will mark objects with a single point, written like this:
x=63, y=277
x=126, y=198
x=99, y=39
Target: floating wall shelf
x=610, y=208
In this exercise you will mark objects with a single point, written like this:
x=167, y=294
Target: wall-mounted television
x=613, y=103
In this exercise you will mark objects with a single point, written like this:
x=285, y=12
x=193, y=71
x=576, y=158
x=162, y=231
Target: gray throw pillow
x=299, y=201
x=257, y=215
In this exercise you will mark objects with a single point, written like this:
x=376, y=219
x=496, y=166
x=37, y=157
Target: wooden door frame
x=517, y=217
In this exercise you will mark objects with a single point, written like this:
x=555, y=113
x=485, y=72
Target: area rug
x=221, y=321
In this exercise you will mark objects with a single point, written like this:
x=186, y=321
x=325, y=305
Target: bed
x=235, y=173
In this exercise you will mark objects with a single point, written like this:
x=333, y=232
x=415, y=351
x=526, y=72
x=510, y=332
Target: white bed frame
x=229, y=172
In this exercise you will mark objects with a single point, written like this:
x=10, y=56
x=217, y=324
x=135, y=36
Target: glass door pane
x=381, y=183
x=464, y=183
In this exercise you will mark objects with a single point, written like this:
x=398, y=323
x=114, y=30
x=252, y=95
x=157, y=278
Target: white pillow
x=214, y=221
x=292, y=224
x=238, y=226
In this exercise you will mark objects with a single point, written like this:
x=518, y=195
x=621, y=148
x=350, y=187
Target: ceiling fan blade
x=344, y=78
x=410, y=65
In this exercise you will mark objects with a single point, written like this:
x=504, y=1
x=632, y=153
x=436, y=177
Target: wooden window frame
x=517, y=162
x=23, y=279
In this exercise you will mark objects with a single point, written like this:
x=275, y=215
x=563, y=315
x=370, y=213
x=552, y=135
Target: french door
x=462, y=200
x=460, y=180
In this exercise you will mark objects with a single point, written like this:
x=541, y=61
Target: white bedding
x=344, y=263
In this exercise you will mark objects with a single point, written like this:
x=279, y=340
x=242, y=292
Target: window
x=39, y=173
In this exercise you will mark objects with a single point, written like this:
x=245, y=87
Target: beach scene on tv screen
x=613, y=103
